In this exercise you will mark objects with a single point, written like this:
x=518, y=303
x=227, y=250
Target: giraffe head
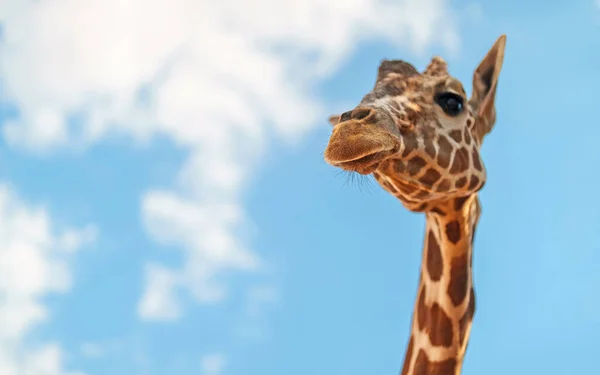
x=418, y=133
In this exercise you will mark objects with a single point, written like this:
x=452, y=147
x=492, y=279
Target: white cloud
x=213, y=364
x=34, y=262
x=215, y=77
x=110, y=349
x=158, y=300
x=92, y=350
x=260, y=301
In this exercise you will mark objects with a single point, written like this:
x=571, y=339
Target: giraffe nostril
x=361, y=113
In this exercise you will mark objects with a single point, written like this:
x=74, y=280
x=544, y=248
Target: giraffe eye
x=451, y=103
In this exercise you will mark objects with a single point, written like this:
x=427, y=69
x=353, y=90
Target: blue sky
x=165, y=207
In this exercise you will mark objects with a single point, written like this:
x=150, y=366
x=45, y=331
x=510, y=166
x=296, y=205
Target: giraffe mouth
x=365, y=164
x=359, y=147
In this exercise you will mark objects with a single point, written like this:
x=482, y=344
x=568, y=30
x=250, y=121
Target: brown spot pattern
x=459, y=279
x=460, y=202
x=410, y=143
x=421, y=308
x=461, y=161
x=438, y=211
x=399, y=166
x=453, y=231
x=476, y=160
x=435, y=264
x=474, y=182
x=409, y=354
x=445, y=151
x=423, y=366
x=430, y=148
x=415, y=165
x=430, y=177
x=421, y=194
x=467, y=136
x=440, y=327
x=456, y=135
x=389, y=186
x=467, y=318
x=409, y=202
x=443, y=186
x=461, y=182
x=404, y=187
x=422, y=207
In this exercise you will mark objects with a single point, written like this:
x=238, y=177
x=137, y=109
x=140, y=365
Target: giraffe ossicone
x=420, y=137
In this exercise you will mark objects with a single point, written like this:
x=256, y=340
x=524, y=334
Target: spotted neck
x=446, y=300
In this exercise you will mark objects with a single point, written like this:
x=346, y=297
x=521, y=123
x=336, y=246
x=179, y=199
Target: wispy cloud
x=34, y=262
x=216, y=78
x=259, y=302
x=92, y=350
x=213, y=364
x=131, y=349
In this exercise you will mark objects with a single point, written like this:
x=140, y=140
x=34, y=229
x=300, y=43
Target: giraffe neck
x=446, y=300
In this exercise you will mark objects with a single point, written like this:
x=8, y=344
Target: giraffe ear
x=485, y=81
x=334, y=119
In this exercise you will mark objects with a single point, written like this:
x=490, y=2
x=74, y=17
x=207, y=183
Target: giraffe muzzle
x=357, y=147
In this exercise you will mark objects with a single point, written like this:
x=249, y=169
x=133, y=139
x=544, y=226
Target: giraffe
x=420, y=137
